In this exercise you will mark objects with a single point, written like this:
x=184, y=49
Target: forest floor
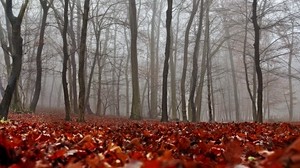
x=46, y=140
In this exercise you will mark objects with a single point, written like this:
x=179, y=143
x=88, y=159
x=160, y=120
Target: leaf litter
x=44, y=141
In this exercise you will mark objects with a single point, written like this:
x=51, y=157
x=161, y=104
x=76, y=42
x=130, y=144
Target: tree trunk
x=153, y=80
x=194, y=76
x=246, y=69
x=173, y=78
x=39, y=69
x=65, y=62
x=185, y=58
x=164, y=117
x=135, y=107
x=73, y=50
x=51, y=90
x=17, y=53
x=5, y=47
x=233, y=75
x=81, y=73
x=291, y=92
x=208, y=64
x=126, y=74
x=257, y=63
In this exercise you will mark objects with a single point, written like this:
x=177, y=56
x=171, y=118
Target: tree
x=185, y=56
x=153, y=79
x=81, y=73
x=233, y=72
x=65, y=62
x=257, y=63
x=194, y=76
x=39, y=69
x=135, y=107
x=164, y=117
x=17, y=53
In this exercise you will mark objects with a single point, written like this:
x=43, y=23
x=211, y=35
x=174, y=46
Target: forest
x=96, y=82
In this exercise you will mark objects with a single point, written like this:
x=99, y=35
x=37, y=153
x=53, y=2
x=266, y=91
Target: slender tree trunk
x=208, y=63
x=136, y=106
x=1, y=88
x=153, y=57
x=81, y=68
x=51, y=90
x=291, y=92
x=252, y=96
x=88, y=89
x=194, y=76
x=17, y=54
x=65, y=62
x=157, y=64
x=39, y=69
x=126, y=74
x=73, y=51
x=173, y=78
x=58, y=103
x=234, y=82
x=164, y=117
x=5, y=47
x=257, y=63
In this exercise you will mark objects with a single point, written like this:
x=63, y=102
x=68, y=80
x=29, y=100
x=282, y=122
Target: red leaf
x=58, y=154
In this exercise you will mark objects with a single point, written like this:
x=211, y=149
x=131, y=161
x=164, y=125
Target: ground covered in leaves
x=46, y=140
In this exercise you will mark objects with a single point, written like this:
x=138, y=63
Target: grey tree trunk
x=65, y=62
x=173, y=63
x=17, y=54
x=39, y=68
x=233, y=75
x=126, y=74
x=208, y=64
x=246, y=69
x=135, y=107
x=5, y=47
x=153, y=57
x=185, y=59
x=257, y=62
x=164, y=117
x=73, y=51
x=291, y=91
x=194, y=76
x=81, y=68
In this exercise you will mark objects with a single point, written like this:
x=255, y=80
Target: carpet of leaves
x=44, y=140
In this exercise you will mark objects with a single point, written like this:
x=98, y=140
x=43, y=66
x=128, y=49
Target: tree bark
x=246, y=68
x=185, y=59
x=135, y=107
x=17, y=54
x=291, y=92
x=65, y=62
x=81, y=68
x=164, y=117
x=233, y=75
x=39, y=68
x=194, y=76
x=153, y=57
x=257, y=63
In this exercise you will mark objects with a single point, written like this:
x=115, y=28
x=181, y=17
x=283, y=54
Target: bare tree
x=135, y=107
x=185, y=56
x=164, y=117
x=45, y=6
x=65, y=62
x=194, y=76
x=153, y=79
x=17, y=53
x=82, y=53
x=257, y=62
